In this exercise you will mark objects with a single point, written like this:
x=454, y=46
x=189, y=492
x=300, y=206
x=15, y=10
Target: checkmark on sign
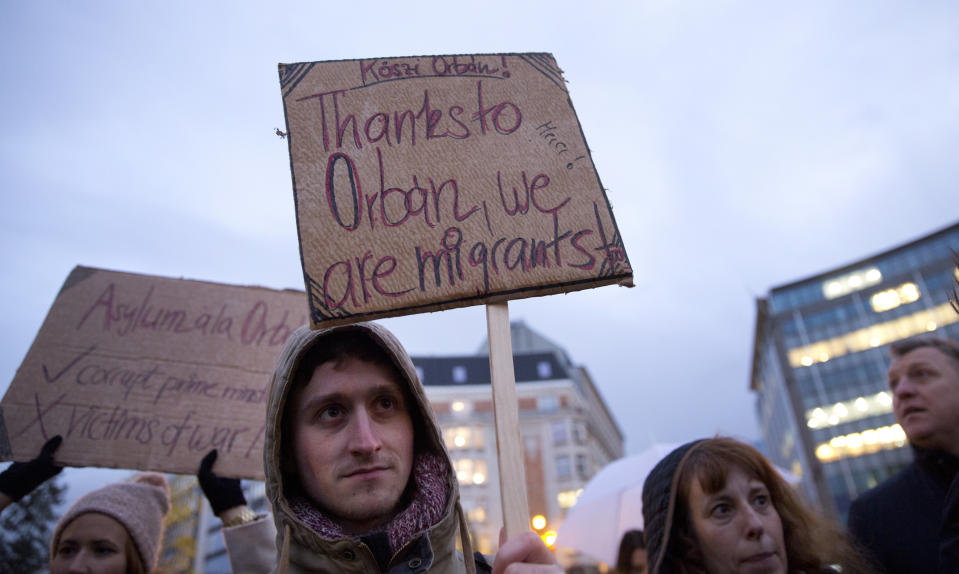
x=77, y=359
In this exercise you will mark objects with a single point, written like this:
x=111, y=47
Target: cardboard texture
x=434, y=182
x=150, y=373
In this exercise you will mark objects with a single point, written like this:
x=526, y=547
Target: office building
x=567, y=432
x=820, y=357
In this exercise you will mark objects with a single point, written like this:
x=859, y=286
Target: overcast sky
x=743, y=145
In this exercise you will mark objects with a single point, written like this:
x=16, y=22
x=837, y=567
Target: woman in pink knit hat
x=115, y=529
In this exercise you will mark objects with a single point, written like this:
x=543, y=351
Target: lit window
x=832, y=289
x=884, y=300
x=464, y=470
x=825, y=453
x=909, y=292
x=567, y=498
x=458, y=406
x=853, y=410
x=470, y=471
x=858, y=444
x=462, y=437
x=456, y=436
x=873, y=336
x=892, y=298
x=479, y=474
x=459, y=374
x=855, y=281
x=544, y=369
x=477, y=514
x=484, y=544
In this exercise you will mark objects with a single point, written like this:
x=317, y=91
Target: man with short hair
x=357, y=473
x=900, y=520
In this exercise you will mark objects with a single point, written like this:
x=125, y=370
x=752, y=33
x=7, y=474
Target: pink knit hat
x=138, y=504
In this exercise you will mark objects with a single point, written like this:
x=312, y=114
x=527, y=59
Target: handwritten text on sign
x=434, y=182
x=150, y=373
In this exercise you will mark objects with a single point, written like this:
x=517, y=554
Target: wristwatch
x=245, y=515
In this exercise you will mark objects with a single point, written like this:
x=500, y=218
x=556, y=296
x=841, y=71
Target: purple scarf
x=429, y=500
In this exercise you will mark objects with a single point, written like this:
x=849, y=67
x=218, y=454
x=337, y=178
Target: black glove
x=21, y=478
x=223, y=493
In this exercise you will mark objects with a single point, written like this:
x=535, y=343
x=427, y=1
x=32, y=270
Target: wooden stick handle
x=509, y=447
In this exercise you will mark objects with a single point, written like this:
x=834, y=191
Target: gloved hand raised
x=222, y=493
x=21, y=478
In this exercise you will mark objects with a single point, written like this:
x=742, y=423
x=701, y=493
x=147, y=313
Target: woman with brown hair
x=718, y=506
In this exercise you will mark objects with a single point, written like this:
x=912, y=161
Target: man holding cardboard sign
x=357, y=472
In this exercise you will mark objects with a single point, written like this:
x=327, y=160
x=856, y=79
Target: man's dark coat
x=899, y=522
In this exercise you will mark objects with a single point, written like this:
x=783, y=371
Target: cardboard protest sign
x=427, y=183
x=150, y=373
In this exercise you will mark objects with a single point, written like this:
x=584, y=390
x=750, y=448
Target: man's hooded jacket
x=421, y=537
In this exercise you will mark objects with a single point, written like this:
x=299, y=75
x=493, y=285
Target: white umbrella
x=612, y=503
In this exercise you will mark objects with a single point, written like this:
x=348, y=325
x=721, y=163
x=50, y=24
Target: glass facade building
x=820, y=356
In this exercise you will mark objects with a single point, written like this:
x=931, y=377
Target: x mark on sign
x=40, y=414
